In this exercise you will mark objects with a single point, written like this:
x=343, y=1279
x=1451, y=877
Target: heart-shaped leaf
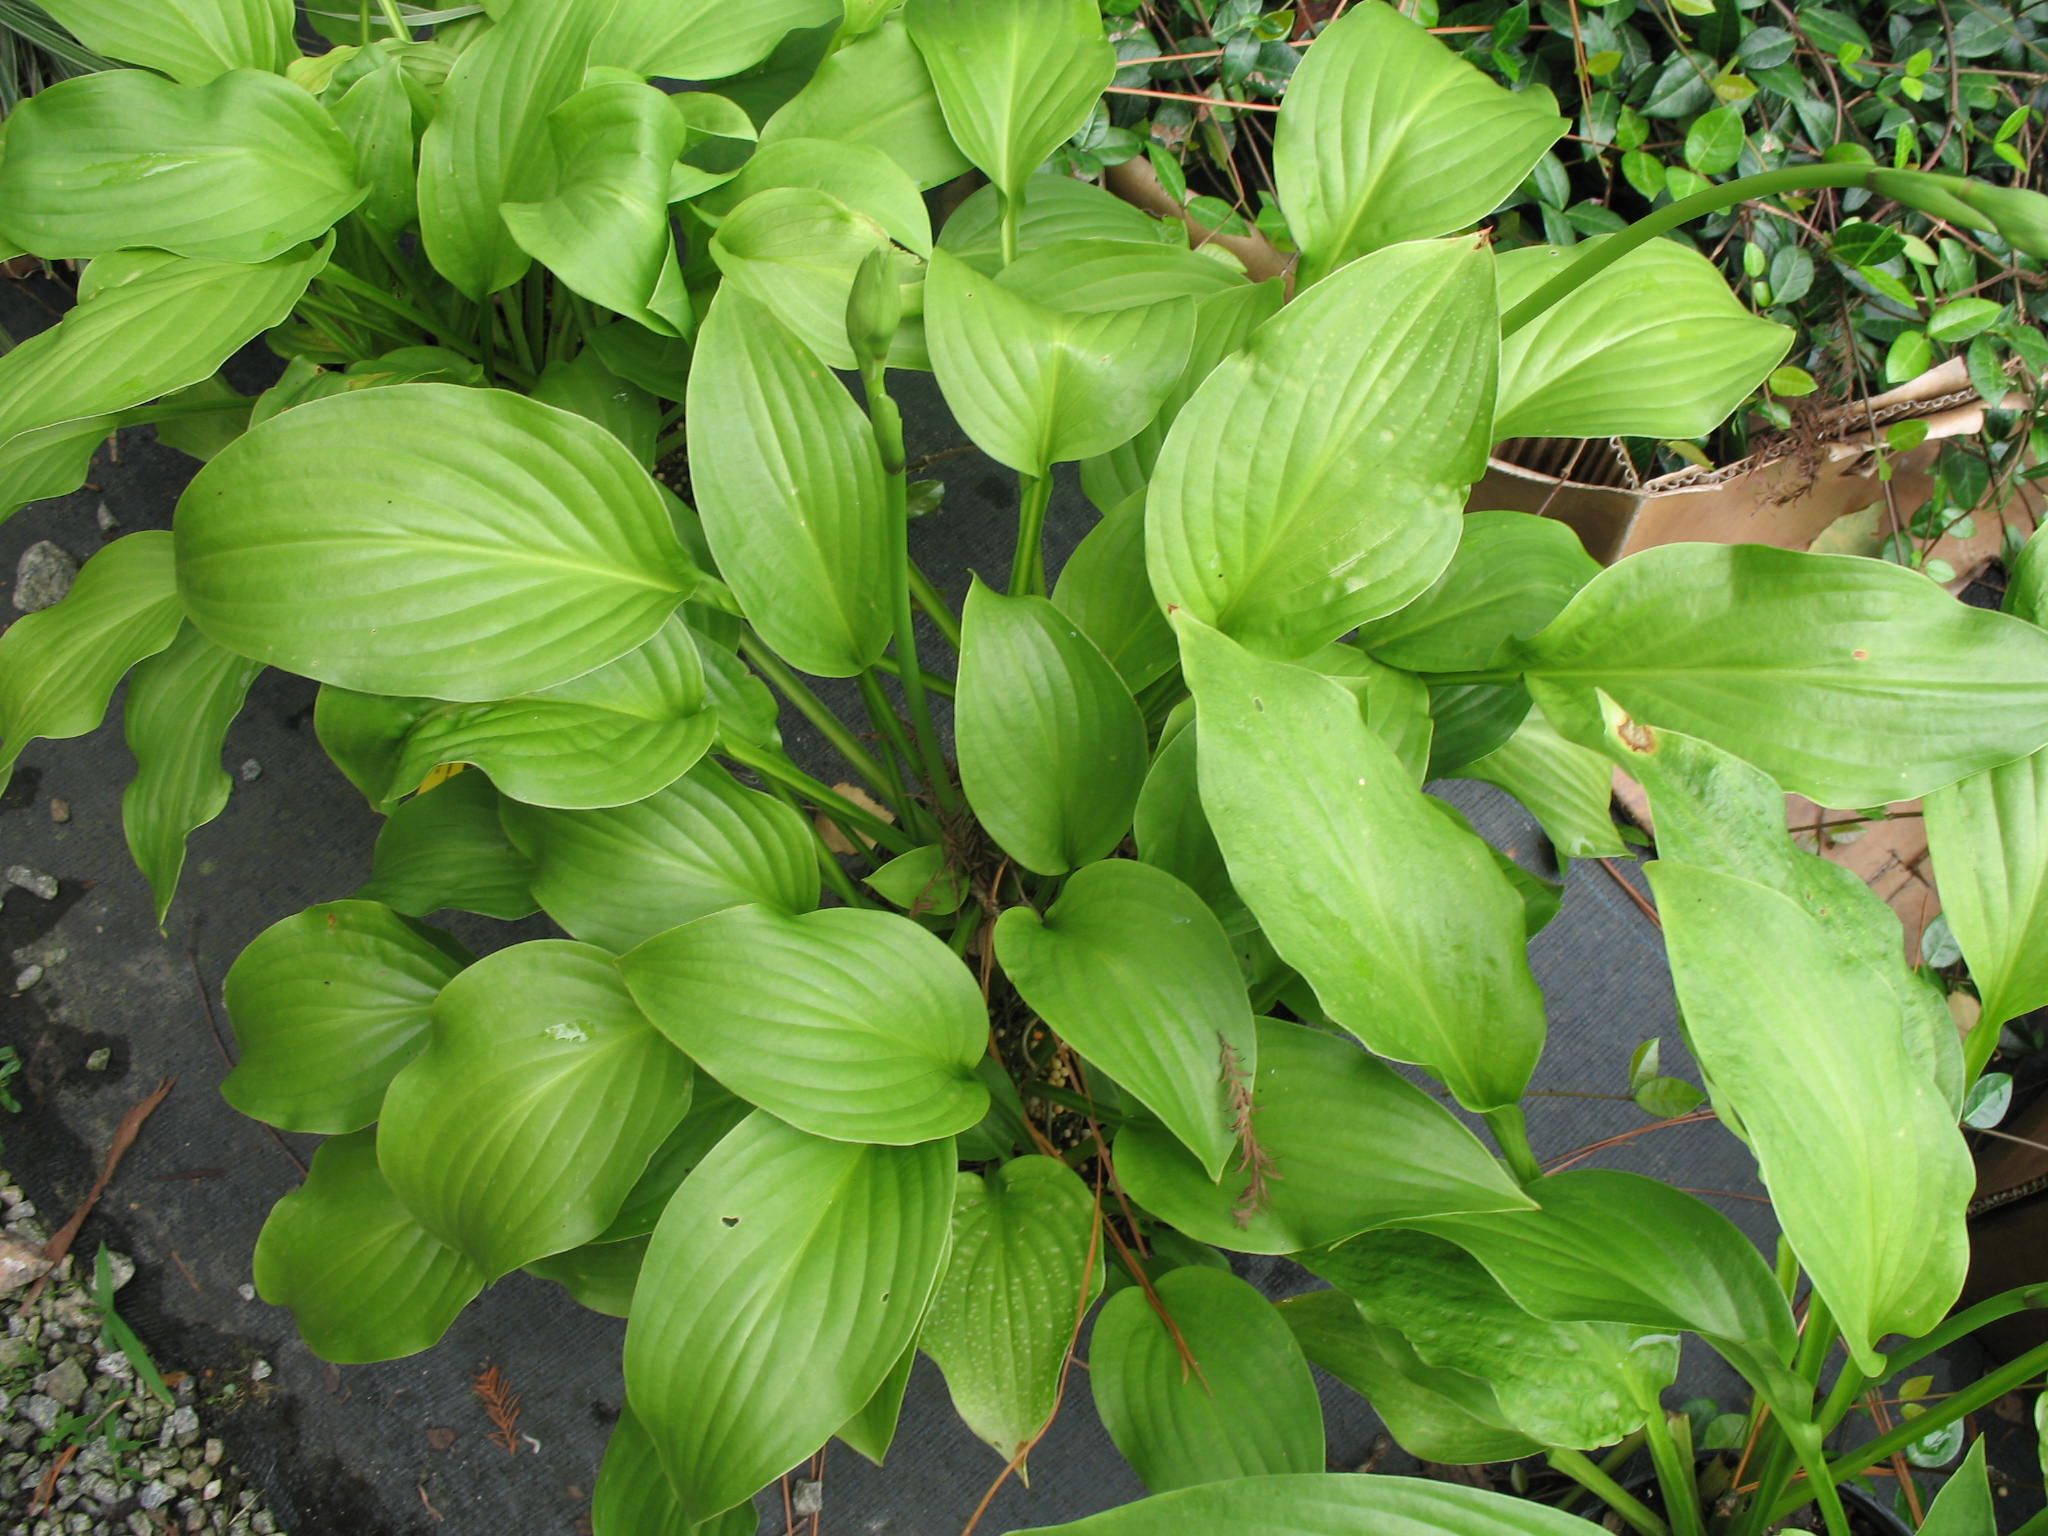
x=447, y=848
x=795, y=250
x=1285, y=515
x=1134, y=972
x=60, y=666
x=1323, y=1111
x=541, y=1094
x=1052, y=747
x=492, y=546
x=377, y=115
x=1220, y=1391
x=1016, y=78
x=259, y=167
x=327, y=1006
x=363, y=1279
x=610, y=737
x=168, y=324
x=1025, y=1251
x=1358, y=881
x=1390, y=136
x=1797, y=662
x=790, y=485
x=179, y=706
x=875, y=91
x=1036, y=386
x=857, y=173
x=619, y=876
x=190, y=43
x=1598, y=362
x=775, y=1225
x=852, y=1024
x=603, y=227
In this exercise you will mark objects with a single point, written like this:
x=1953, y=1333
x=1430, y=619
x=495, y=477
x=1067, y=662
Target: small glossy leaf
x=1037, y=386
x=875, y=91
x=610, y=737
x=377, y=115
x=1804, y=1045
x=540, y=1096
x=492, y=546
x=1561, y=1384
x=1015, y=78
x=1435, y=1414
x=616, y=877
x=1320, y=1503
x=60, y=666
x=168, y=324
x=1389, y=136
x=922, y=882
x=363, y=1279
x=702, y=39
x=1246, y=1406
x=790, y=486
x=1619, y=1248
x=192, y=41
x=1052, y=747
x=851, y=1024
x=179, y=706
x=1510, y=576
x=1353, y=1144
x=1797, y=662
x=795, y=250
x=603, y=227
x=259, y=167
x=1566, y=787
x=1285, y=515
x=1133, y=971
x=775, y=1227
x=1599, y=362
x=1025, y=1251
x=1964, y=1506
x=447, y=848
x=1358, y=882
x=327, y=1006
x=1055, y=209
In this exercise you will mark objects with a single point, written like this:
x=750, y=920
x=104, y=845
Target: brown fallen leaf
x=440, y=1438
x=829, y=830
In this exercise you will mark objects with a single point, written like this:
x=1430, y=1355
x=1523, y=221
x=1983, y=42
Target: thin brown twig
x=124, y=1138
x=1634, y=895
x=1697, y=1116
x=220, y=1044
x=1211, y=102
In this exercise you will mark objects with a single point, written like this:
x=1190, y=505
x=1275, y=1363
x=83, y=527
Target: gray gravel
x=136, y=1466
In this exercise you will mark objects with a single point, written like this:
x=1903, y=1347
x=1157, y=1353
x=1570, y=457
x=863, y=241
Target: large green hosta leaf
x=619, y=876
x=609, y=737
x=327, y=1006
x=634, y=1497
x=701, y=39
x=190, y=40
x=876, y=91
x=60, y=666
x=1026, y=1261
x=377, y=114
x=1565, y=786
x=1989, y=837
x=1346, y=1144
x=491, y=546
x=1052, y=747
x=857, y=1025
x=180, y=704
x=790, y=485
x=1600, y=362
x=1247, y=1404
x=446, y=847
x=1438, y=1415
x=1359, y=882
x=1867, y=1172
x=363, y=1279
x=1016, y=78
x=1389, y=136
x=541, y=1095
x=856, y=173
x=166, y=325
x=1055, y=209
x=786, y=1279
x=795, y=250
x=258, y=167
x=1316, y=478
x=1799, y=663
x=1134, y=972
x=1036, y=385
x=1103, y=589
x=603, y=227
x=1562, y=1384
x=1326, y=1504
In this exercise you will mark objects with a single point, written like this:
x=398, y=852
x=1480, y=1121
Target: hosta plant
x=1149, y=900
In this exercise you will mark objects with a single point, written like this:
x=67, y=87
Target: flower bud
x=874, y=307
x=2013, y=212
